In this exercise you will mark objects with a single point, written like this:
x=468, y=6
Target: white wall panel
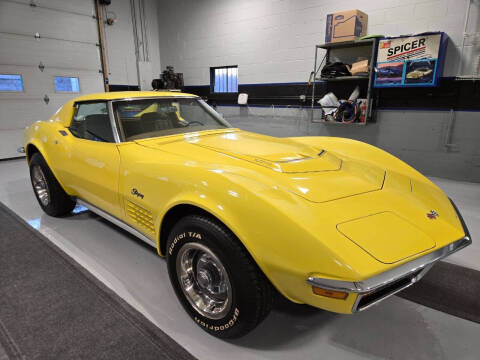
x=67, y=47
x=120, y=43
x=81, y=7
x=52, y=53
x=22, y=19
x=152, y=21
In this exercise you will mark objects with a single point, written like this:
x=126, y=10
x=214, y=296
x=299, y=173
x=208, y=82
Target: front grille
x=385, y=291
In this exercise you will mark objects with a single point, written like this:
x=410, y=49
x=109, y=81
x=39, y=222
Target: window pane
x=11, y=82
x=218, y=83
x=67, y=84
x=89, y=109
x=161, y=117
x=225, y=71
x=91, y=122
x=225, y=79
x=217, y=80
x=222, y=80
x=236, y=80
x=230, y=79
x=228, y=71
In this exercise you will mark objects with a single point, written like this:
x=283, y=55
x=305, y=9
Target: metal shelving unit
x=343, y=45
x=343, y=78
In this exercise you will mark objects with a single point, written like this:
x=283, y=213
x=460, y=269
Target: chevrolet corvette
x=419, y=73
x=240, y=217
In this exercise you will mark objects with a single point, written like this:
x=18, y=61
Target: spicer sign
x=412, y=47
x=415, y=60
x=406, y=48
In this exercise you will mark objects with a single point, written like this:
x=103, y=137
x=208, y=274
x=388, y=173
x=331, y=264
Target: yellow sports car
x=330, y=222
x=419, y=73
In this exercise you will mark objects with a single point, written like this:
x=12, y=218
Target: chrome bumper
x=377, y=288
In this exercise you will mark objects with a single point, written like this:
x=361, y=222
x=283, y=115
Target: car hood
x=313, y=173
x=373, y=233
x=390, y=225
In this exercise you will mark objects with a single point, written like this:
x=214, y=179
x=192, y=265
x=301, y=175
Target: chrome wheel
x=40, y=185
x=204, y=280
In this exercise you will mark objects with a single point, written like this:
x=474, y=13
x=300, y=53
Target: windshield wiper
x=188, y=123
x=98, y=137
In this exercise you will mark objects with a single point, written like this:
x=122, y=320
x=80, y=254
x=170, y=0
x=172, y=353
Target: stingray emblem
x=432, y=215
x=137, y=193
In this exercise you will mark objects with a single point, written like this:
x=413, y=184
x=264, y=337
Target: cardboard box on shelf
x=346, y=26
x=359, y=68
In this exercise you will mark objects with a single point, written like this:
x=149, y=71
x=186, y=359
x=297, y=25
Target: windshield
x=146, y=118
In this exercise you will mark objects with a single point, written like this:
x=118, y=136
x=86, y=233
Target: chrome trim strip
x=117, y=222
x=156, y=97
x=396, y=273
x=113, y=123
x=137, y=98
x=291, y=161
x=413, y=280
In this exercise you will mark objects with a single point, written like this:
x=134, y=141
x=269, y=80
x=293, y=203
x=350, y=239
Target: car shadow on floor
x=395, y=329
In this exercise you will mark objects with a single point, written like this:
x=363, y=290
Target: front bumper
x=377, y=288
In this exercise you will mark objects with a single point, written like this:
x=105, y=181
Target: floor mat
x=52, y=308
x=450, y=288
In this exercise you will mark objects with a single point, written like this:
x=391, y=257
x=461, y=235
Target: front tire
x=49, y=193
x=215, y=279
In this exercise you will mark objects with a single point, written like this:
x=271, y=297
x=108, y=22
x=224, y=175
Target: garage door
x=48, y=54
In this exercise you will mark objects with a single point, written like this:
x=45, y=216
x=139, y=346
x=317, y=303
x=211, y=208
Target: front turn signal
x=329, y=293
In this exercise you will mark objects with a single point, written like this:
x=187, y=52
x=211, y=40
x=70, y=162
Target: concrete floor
x=395, y=329
x=3, y=354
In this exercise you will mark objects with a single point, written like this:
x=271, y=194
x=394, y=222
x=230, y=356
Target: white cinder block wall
x=120, y=42
x=273, y=40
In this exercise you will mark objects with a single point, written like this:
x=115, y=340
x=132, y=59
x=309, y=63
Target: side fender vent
x=141, y=216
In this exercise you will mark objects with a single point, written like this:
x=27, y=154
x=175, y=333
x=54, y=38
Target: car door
x=92, y=159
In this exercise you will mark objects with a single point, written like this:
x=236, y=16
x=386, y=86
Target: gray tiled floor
x=3, y=354
x=395, y=329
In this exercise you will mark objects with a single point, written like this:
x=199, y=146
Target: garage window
x=67, y=84
x=224, y=79
x=10, y=82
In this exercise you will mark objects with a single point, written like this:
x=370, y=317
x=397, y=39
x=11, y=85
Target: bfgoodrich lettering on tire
x=215, y=279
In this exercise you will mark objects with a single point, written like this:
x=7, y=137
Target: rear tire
x=49, y=193
x=214, y=277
